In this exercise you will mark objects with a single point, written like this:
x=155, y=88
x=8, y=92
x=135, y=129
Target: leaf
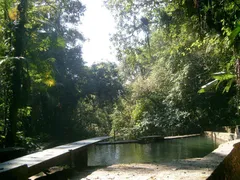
x=13, y=13
x=3, y=60
x=234, y=34
x=61, y=42
x=228, y=86
x=221, y=76
x=52, y=60
x=201, y=91
x=208, y=86
x=50, y=82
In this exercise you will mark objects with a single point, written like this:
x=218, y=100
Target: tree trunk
x=16, y=74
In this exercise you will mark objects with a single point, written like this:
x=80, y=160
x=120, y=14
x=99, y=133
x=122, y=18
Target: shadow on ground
x=65, y=174
x=187, y=169
x=209, y=162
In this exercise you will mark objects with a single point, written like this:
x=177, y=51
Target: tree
x=184, y=54
x=102, y=89
x=41, y=61
x=18, y=45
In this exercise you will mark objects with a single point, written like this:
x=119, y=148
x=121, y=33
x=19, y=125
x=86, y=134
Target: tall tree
x=188, y=41
x=16, y=84
x=40, y=63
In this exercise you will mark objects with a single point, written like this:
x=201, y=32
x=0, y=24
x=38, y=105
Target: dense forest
x=178, y=71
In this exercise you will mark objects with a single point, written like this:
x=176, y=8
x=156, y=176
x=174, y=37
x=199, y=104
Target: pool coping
x=218, y=155
x=187, y=169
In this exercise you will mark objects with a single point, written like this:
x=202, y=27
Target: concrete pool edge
x=217, y=156
x=194, y=168
x=157, y=137
x=187, y=169
x=222, y=136
x=223, y=149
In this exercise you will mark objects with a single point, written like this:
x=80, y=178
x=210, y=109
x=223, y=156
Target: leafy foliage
x=57, y=96
x=167, y=51
x=187, y=42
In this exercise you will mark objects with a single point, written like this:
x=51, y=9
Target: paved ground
x=188, y=169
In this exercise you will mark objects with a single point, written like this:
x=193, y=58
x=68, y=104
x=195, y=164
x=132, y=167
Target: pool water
x=164, y=151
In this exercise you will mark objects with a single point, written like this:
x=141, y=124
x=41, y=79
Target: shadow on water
x=160, y=152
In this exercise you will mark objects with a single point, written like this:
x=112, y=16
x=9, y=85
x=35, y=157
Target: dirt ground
x=187, y=169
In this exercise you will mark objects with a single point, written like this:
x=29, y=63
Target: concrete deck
x=39, y=161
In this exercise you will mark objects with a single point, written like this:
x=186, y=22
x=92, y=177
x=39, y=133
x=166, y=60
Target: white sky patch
x=97, y=25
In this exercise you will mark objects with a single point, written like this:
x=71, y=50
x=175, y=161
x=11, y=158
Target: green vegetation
x=46, y=91
x=179, y=70
x=168, y=50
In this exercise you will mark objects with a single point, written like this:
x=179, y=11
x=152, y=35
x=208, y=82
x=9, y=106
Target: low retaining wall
x=229, y=167
x=220, y=135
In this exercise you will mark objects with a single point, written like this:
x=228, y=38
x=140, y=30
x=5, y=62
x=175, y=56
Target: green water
x=164, y=151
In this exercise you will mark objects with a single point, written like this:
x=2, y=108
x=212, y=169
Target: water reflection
x=147, y=153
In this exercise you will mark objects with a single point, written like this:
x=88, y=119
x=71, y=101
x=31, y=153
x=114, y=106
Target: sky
x=97, y=25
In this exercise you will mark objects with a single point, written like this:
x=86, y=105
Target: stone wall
x=220, y=135
x=229, y=168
